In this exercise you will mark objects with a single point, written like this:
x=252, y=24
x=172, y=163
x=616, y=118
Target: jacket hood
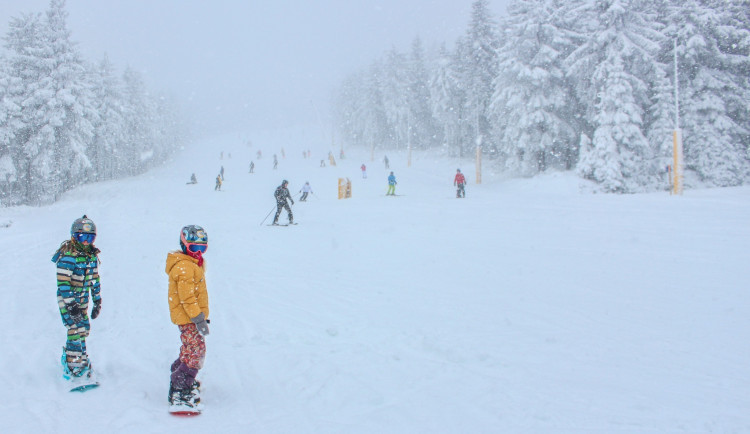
x=175, y=257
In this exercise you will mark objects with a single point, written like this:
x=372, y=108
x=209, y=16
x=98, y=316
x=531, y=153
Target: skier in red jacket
x=459, y=181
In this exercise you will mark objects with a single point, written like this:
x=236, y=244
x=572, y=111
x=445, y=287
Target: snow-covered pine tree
x=659, y=124
x=8, y=116
x=531, y=110
x=611, y=71
x=107, y=146
x=139, y=124
x=714, y=143
x=447, y=100
x=50, y=129
x=29, y=89
x=422, y=124
x=375, y=130
x=170, y=131
x=359, y=109
x=395, y=96
x=70, y=107
x=659, y=116
x=734, y=42
x=479, y=67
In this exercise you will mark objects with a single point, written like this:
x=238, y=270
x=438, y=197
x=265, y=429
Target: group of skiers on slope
x=459, y=181
x=77, y=262
x=219, y=179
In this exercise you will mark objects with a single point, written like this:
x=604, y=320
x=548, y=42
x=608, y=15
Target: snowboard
x=85, y=387
x=81, y=384
x=183, y=410
x=85, y=382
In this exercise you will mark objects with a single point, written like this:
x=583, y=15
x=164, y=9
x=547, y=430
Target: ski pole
x=264, y=219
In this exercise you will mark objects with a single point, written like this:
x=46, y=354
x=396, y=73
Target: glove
x=292, y=202
x=97, y=308
x=200, y=322
x=76, y=315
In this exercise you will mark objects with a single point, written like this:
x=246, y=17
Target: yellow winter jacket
x=188, y=296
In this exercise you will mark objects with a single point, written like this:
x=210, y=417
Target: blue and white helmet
x=83, y=225
x=193, y=238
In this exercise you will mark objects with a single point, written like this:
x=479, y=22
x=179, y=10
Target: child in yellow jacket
x=188, y=308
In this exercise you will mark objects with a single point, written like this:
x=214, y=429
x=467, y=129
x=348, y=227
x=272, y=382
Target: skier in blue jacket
x=391, y=185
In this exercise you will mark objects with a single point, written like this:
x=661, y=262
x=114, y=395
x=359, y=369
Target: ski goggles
x=83, y=237
x=195, y=248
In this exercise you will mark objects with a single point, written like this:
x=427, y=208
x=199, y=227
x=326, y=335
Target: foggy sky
x=239, y=65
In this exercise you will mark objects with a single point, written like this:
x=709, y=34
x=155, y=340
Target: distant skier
x=391, y=185
x=459, y=181
x=258, y=154
x=221, y=172
x=385, y=160
x=193, y=179
x=364, y=171
x=219, y=181
x=322, y=163
x=188, y=310
x=282, y=194
x=77, y=263
x=305, y=190
x=252, y=167
x=275, y=162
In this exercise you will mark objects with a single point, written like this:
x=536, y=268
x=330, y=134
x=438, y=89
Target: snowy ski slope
x=527, y=307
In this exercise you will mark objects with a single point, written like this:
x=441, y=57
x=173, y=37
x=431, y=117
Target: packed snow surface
x=532, y=305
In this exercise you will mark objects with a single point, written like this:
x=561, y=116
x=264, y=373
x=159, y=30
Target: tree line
x=583, y=85
x=65, y=121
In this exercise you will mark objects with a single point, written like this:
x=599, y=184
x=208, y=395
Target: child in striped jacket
x=77, y=263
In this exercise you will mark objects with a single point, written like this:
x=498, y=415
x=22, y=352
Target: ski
x=286, y=224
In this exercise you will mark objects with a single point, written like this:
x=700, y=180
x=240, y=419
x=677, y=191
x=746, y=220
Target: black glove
x=75, y=312
x=292, y=202
x=97, y=308
x=200, y=322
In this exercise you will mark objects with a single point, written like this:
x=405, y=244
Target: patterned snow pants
x=279, y=207
x=193, y=348
x=75, y=344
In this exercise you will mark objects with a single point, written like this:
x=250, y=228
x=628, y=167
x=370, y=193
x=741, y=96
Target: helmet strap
x=196, y=255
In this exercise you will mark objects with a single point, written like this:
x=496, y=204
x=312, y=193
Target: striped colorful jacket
x=77, y=275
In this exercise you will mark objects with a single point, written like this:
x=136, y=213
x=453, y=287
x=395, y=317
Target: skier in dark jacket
x=282, y=194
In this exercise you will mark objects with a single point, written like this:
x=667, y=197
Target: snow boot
x=77, y=370
x=187, y=399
